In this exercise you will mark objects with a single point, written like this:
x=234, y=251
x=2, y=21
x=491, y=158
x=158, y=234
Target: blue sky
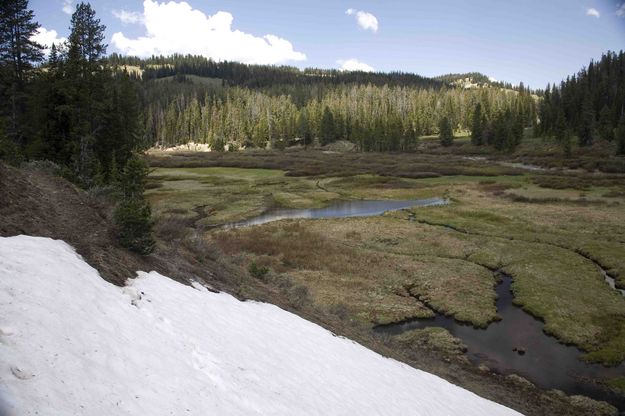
x=531, y=41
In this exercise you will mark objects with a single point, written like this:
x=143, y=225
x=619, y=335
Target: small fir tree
x=133, y=214
x=446, y=133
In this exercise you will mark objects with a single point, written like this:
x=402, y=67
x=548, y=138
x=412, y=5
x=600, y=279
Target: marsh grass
x=408, y=263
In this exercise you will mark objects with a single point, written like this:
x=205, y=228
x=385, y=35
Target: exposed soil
x=40, y=204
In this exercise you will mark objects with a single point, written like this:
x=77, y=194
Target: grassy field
x=547, y=230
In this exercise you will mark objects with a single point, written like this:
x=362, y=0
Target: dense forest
x=590, y=104
x=386, y=118
x=231, y=105
x=89, y=112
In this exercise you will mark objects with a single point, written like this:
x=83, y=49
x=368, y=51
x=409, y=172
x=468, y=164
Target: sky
x=531, y=41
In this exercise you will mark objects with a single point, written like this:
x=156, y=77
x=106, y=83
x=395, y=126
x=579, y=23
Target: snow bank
x=73, y=344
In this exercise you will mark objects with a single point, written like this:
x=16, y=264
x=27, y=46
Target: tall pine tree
x=477, y=127
x=87, y=74
x=327, y=129
x=18, y=55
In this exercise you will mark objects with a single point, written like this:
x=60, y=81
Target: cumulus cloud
x=128, y=17
x=178, y=28
x=354, y=65
x=68, y=6
x=620, y=11
x=46, y=38
x=365, y=20
x=593, y=12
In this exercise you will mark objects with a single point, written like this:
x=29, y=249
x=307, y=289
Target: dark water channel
x=338, y=209
x=543, y=360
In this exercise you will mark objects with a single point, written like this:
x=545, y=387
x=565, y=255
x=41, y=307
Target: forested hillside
x=375, y=118
x=231, y=105
x=88, y=111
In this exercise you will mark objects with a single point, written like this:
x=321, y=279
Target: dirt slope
x=41, y=204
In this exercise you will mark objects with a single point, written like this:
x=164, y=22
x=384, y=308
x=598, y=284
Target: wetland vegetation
x=424, y=261
x=532, y=182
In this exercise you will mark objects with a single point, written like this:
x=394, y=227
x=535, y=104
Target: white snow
x=73, y=344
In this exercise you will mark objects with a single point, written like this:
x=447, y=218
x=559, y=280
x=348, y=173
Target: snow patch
x=80, y=347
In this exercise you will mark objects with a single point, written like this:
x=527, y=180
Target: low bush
x=258, y=272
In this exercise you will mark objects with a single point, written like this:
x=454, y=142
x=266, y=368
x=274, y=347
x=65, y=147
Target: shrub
x=133, y=217
x=46, y=166
x=257, y=272
x=300, y=296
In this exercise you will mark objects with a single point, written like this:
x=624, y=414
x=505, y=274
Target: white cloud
x=68, y=7
x=620, y=12
x=365, y=20
x=593, y=12
x=354, y=65
x=178, y=28
x=46, y=38
x=128, y=17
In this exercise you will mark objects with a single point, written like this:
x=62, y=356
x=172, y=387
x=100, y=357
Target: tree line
x=179, y=110
x=589, y=105
x=261, y=76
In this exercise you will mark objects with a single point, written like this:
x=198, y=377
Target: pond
x=338, y=209
x=517, y=344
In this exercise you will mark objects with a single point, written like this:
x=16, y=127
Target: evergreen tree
x=18, y=55
x=586, y=127
x=619, y=134
x=326, y=129
x=567, y=138
x=133, y=214
x=446, y=133
x=563, y=133
x=477, y=128
x=303, y=127
x=87, y=75
x=604, y=127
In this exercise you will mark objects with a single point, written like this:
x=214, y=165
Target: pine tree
x=18, y=55
x=86, y=48
x=563, y=133
x=604, y=127
x=303, y=127
x=87, y=76
x=586, y=129
x=133, y=213
x=327, y=128
x=477, y=128
x=446, y=133
x=619, y=134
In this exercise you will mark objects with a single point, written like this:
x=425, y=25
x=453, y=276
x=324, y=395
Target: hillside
x=117, y=351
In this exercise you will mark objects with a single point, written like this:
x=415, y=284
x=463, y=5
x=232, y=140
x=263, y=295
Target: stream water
x=517, y=344
x=338, y=209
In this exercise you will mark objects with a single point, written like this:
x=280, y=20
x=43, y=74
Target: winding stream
x=516, y=344
x=611, y=282
x=542, y=360
x=338, y=209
